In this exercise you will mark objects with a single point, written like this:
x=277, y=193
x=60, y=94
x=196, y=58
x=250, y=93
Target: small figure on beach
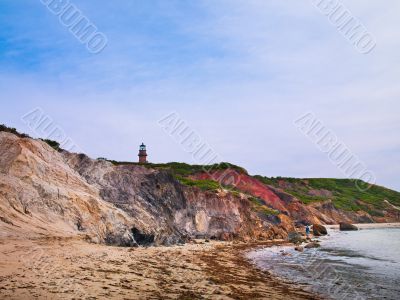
x=307, y=231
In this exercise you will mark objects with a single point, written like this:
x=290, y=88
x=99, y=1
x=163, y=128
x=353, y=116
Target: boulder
x=299, y=248
x=312, y=245
x=295, y=237
x=347, y=227
x=226, y=236
x=319, y=230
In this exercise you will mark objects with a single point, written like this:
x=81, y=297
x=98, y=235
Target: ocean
x=362, y=264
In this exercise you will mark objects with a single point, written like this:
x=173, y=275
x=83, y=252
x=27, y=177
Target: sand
x=71, y=268
x=65, y=268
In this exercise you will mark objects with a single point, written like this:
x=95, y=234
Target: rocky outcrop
x=347, y=227
x=312, y=245
x=217, y=216
x=299, y=248
x=295, y=237
x=319, y=230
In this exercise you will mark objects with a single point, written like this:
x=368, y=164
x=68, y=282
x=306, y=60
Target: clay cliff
x=41, y=195
x=48, y=192
x=45, y=191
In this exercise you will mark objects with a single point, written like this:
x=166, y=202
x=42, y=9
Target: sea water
x=362, y=264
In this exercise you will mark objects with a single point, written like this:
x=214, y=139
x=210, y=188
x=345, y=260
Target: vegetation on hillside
x=13, y=131
x=260, y=207
x=55, y=145
x=183, y=169
x=205, y=185
x=343, y=192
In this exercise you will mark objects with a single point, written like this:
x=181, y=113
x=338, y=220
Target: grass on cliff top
x=345, y=194
x=55, y=145
x=183, y=169
x=4, y=128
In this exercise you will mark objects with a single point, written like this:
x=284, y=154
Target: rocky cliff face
x=321, y=210
x=41, y=195
x=46, y=192
x=165, y=210
x=149, y=197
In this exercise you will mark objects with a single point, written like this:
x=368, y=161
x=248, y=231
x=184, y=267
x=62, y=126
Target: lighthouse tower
x=142, y=154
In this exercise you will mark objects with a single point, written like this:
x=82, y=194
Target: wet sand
x=63, y=268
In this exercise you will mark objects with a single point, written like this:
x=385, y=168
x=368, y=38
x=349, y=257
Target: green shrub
x=205, y=185
x=4, y=128
x=235, y=193
x=55, y=145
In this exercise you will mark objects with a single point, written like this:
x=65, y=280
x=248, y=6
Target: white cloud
x=268, y=63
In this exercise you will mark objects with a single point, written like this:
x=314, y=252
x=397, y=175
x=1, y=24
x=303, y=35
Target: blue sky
x=239, y=72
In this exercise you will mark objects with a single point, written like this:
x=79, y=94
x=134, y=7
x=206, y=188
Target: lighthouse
x=142, y=154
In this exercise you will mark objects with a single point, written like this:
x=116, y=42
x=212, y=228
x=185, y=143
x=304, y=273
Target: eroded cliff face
x=45, y=192
x=285, y=203
x=167, y=211
x=320, y=212
x=148, y=196
x=224, y=216
x=41, y=195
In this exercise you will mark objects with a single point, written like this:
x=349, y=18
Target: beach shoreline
x=296, y=267
x=367, y=225
x=65, y=268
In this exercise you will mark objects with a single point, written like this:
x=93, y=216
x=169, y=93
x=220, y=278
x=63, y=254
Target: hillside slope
x=41, y=195
x=46, y=191
x=377, y=201
x=312, y=200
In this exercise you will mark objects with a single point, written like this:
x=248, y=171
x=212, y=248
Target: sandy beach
x=62, y=268
x=71, y=268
